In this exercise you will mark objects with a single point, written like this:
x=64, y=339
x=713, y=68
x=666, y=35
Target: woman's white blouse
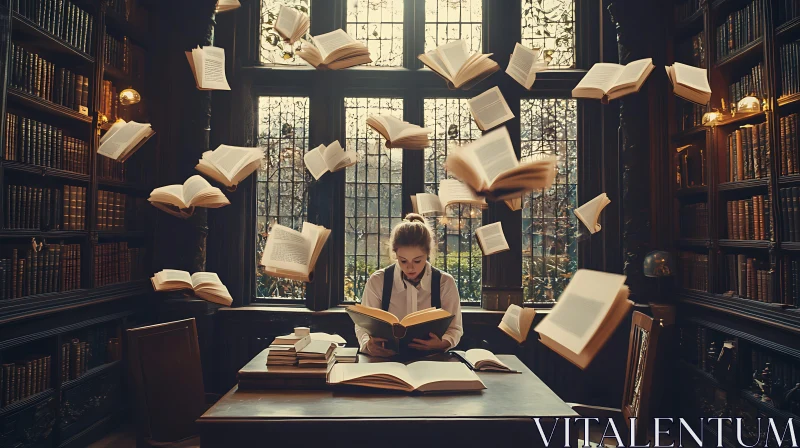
x=406, y=298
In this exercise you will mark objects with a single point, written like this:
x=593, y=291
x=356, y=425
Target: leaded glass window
x=379, y=25
x=448, y=20
x=273, y=49
x=549, y=228
x=550, y=26
x=281, y=194
x=373, y=193
x=457, y=252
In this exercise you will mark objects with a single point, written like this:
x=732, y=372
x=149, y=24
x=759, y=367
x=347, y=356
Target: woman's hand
x=432, y=344
x=375, y=348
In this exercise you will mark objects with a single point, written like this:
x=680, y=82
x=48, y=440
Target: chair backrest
x=642, y=351
x=167, y=380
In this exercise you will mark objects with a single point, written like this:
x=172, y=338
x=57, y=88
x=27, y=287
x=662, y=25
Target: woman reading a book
x=407, y=286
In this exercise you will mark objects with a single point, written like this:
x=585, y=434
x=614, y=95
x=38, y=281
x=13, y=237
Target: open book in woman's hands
x=229, y=165
x=400, y=332
x=292, y=254
x=195, y=192
x=334, y=50
x=205, y=285
x=453, y=62
x=399, y=133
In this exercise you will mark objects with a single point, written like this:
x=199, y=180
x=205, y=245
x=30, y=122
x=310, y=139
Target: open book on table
x=292, y=254
x=229, y=165
x=451, y=191
x=123, y=139
x=400, y=332
x=607, y=82
x=195, y=192
x=491, y=238
x=489, y=109
x=208, y=67
x=291, y=24
x=334, y=50
x=205, y=285
x=483, y=360
x=589, y=213
x=689, y=83
x=331, y=158
x=420, y=376
x=586, y=314
x=453, y=62
x=399, y=133
x=524, y=64
x=490, y=167
x=517, y=322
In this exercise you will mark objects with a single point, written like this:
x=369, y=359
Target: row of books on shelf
x=75, y=356
x=25, y=377
x=790, y=163
x=43, y=208
x=694, y=220
x=739, y=29
x=124, y=56
x=61, y=18
x=692, y=51
x=751, y=83
x=34, y=75
x=790, y=213
x=118, y=263
x=131, y=10
x=110, y=169
x=691, y=114
x=118, y=211
x=685, y=9
x=749, y=219
x=691, y=166
x=51, y=268
x=787, y=10
x=789, y=55
x=790, y=277
x=109, y=103
x=36, y=143
x=694, y=271
x=748, y=153
x=748, y=278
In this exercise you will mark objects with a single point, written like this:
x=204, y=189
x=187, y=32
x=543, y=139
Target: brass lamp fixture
x=712, y=118
x=748, y=104
x=129, y=97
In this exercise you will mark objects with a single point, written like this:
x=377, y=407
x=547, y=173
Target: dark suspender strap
x=388, y=282
x=436, y=288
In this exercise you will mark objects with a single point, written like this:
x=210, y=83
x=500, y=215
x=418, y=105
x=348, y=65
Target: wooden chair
x=167, y=383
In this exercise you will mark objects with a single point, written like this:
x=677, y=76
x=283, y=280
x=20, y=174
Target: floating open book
x=291, y=24
x=524, y=64
x=399, y=333
x=229, y=165
x=195, y=192
x=607, y=82
x=589, y=213
x=586, y=314
x=490, y=167
x=420, y=376
x=689, y=83
x=514, y=204
x=451, y=191
x=483, y=360
x=491, y=238
x=517, y=322
x=292, y=254
x=453, y=62
x=123, y=139
x=205, y=285
x=208, y=67
x=399, y=133
x=331, y=158
x=489, y=109
x=227, y=5
x=333, y=51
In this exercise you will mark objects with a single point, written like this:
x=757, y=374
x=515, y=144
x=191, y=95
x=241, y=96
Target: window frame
x=327, y=89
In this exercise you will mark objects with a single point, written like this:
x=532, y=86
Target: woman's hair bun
x=415, y=217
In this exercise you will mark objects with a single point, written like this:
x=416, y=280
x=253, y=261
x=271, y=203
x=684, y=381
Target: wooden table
x=501, y=414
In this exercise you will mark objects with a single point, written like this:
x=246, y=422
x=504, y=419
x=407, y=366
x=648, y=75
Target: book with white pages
x=195, y=192
x=514, y=204
x=420, y=376
x=229, y=165
x=489, y=109
x=482, y=360
x=451, y=191
x=206, y=285
x=490, y=167
x=605, y=81
x=524, y=64
x=292, y=338
x=331, y=158
x=291, y=24
x=491, y=238
x=589, y=213
x=123, y=139
x=453, y=62
x=517, y=322
x=291, y=254
x=208, y=67
x=689, y=83
x=399, y=133
x=334, y=50
x=227, y=5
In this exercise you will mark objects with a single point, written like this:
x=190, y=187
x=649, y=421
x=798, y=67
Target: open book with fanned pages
x=399, y=133
x=420, y=376
x=605, y=81
x=333, y=51
x=453, y=62
x=206, y=285
x=400, y=332
x=179, y=200
x=229, y=165
x=291, y=254
x=291, y=24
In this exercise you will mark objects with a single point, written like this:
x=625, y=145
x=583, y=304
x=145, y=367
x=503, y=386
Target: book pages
x=491, y=238
x=589, y=213
x=489, y=109
x=427, y=204
x=208, y=66
x=495, y=154
x=524, y=64
x=315, y=162
x=517, y=322
x=453, y=55
x=121, y=138
x=329, y=42
x=286, y=249
x=452, y=191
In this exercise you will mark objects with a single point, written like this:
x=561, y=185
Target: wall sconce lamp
x=129, y=97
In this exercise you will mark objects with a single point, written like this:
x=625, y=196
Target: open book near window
x=229, y=165
x=451, y=191
x=331, y=158
x=586, y=314
x=291, y=24
x=489, y=109
x=208, y=67
x=689, y=83
x=607, y=82
x=400, y=332
x=292, y=254
x=491, y=238
x=490, y=167
x=420, y=376
x=399, y=133
x=195, y=192
x=524, y=64
x=334, y=50
x=205, y=285
x=589, y=213
x=517, y=322
x=483, y=360
x=123, y=139
x=453, y=62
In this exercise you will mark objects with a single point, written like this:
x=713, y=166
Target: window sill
x=299, y=309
